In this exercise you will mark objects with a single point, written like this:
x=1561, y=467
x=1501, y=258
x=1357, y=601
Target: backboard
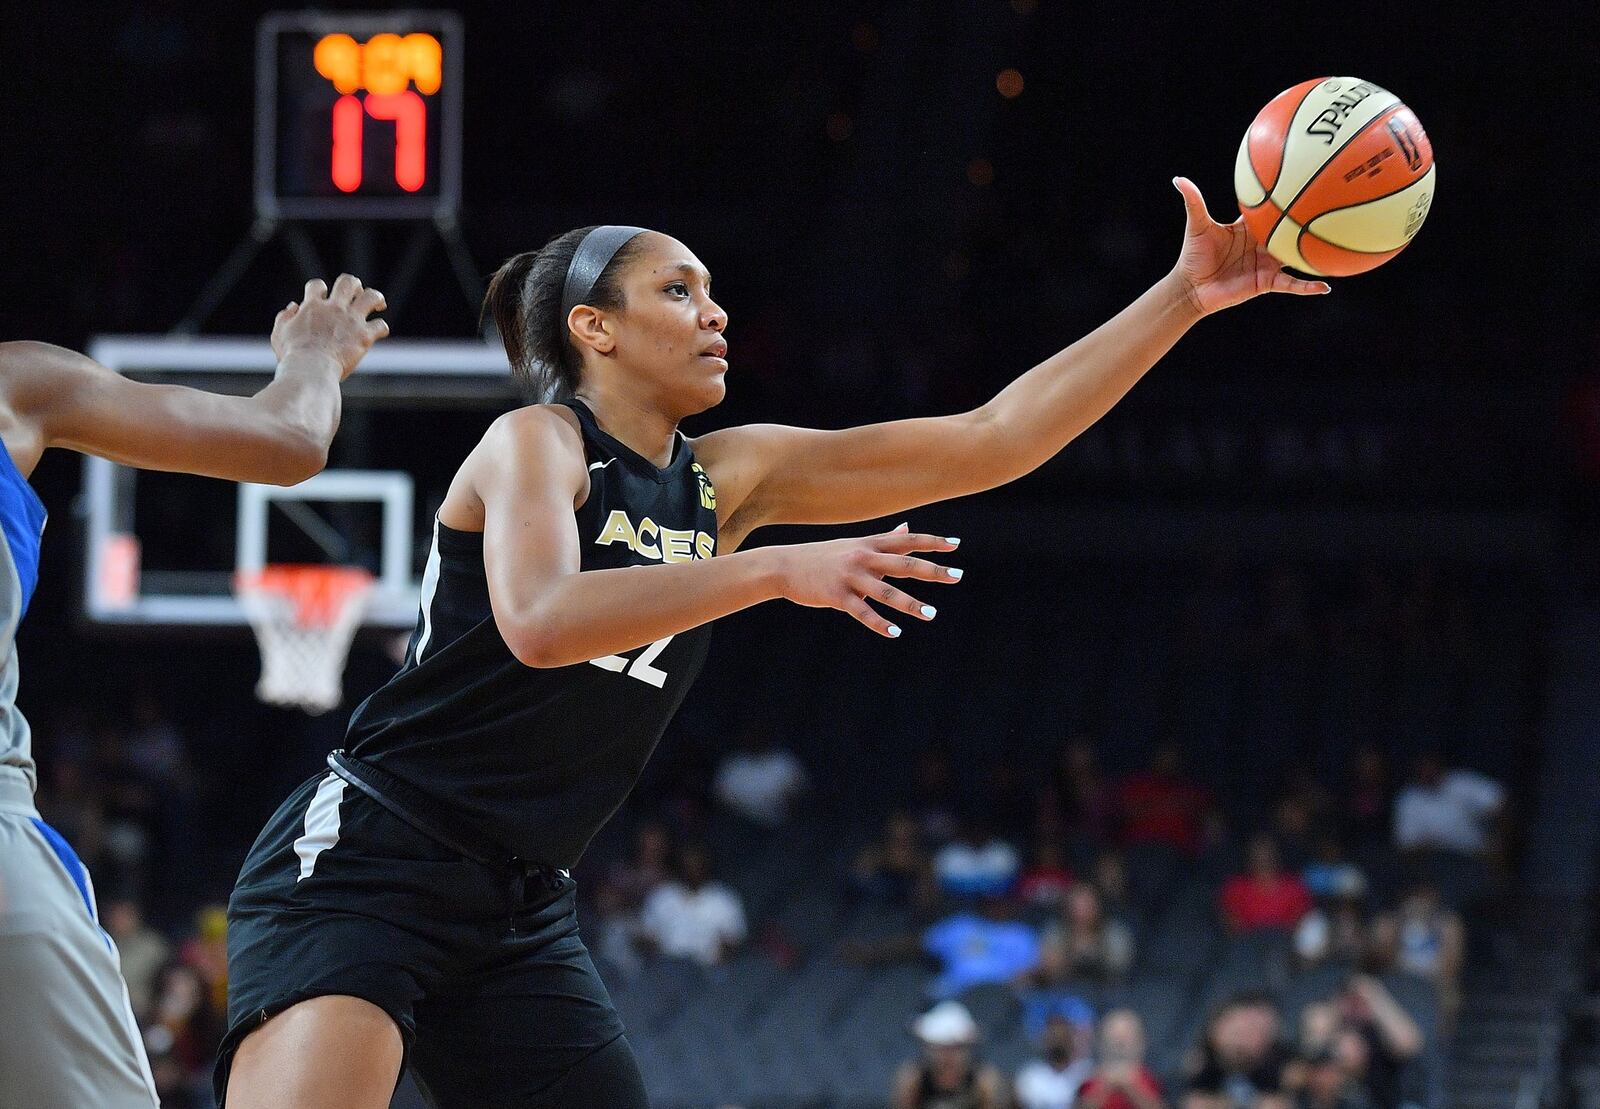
x=163, y=550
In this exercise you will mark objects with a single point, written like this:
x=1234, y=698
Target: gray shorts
x=67, y=1034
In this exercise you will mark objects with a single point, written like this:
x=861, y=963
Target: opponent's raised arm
x=769, y=474
x=278, y=436
x=525, y=478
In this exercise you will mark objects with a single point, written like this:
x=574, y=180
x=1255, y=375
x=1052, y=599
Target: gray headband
x=589, y=261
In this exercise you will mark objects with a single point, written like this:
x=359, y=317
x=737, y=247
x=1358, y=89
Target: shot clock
x=358, y=115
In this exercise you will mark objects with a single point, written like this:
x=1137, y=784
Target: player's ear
x=589, y=327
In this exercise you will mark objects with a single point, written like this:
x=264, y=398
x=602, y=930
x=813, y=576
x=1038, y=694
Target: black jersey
x=536, y=760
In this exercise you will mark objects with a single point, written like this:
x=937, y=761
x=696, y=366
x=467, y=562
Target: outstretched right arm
x=279, y=436
x=527, y=475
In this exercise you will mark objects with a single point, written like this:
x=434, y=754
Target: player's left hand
x=1222, y=264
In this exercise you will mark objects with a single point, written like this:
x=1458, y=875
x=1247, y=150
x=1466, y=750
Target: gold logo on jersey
x=708, y=492
x=654, y=541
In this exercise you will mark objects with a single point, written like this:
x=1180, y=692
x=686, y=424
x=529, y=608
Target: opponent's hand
x=331, y=322
x=846, y=573
x=1222, y=264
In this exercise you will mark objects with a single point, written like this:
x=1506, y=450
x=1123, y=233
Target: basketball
x=1335, y=176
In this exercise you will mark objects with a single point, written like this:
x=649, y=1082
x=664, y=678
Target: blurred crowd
x=1028, y=892
x=1344, y=1053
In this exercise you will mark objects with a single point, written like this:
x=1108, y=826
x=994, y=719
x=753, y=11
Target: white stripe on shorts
x=322, y=823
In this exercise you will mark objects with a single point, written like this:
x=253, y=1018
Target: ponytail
x=524, y=297
x=503, y=301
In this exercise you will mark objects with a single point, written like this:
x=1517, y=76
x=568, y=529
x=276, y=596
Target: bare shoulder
x=737, y=447
x=38, y=380
x=30, y=355
x=539, y=442
x=33, y=371
x=542, y=427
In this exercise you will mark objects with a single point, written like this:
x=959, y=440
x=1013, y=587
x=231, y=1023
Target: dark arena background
x=1256, y=762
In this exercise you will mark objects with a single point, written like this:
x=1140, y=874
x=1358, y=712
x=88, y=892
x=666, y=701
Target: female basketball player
x=67, y=1035
x=415, y=901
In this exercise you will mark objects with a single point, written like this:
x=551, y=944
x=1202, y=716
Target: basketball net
x=304, y=619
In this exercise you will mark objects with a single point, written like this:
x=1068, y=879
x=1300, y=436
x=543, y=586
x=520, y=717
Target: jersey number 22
x=640, y=667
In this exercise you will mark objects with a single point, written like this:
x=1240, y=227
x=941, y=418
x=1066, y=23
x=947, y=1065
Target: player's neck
x=632, y=421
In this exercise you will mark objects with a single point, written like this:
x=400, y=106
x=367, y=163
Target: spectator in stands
x=622, y=892
x=1120, y=1079
x=1330, y=873
x=976, y=948
x=142, y=950
x=1370, y=800
x=761, y=781
x=972, y=948
x=191, y=1025
x=1444, y=810
x=1302, y=783
x=1370, y=1035
x=1445, y=823
x=978, y=863
x=694, y=917
x=1052, y=1080
x=1045, y=883
x=1326, y=1083
x=1292, y=830
x=1335, y=930
x=1319, y=1027
x=1391, y=1036
x=1265, y=897
x=1241, y=1062
x=895, y=870
x=1080, y=794
x=1111, y=880
x=1427, y=939
x=1094, y=947
x=1301, y=815
x=207, y=951
x=1048, y=996
x=948, y=1076
x=1161, y=806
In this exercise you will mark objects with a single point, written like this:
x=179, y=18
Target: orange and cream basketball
x=1335, y=176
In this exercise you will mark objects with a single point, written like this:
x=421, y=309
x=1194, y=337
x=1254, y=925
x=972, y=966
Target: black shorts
x=480, y=966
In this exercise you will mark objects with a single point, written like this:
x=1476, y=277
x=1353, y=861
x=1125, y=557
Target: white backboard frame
x=395, y=597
